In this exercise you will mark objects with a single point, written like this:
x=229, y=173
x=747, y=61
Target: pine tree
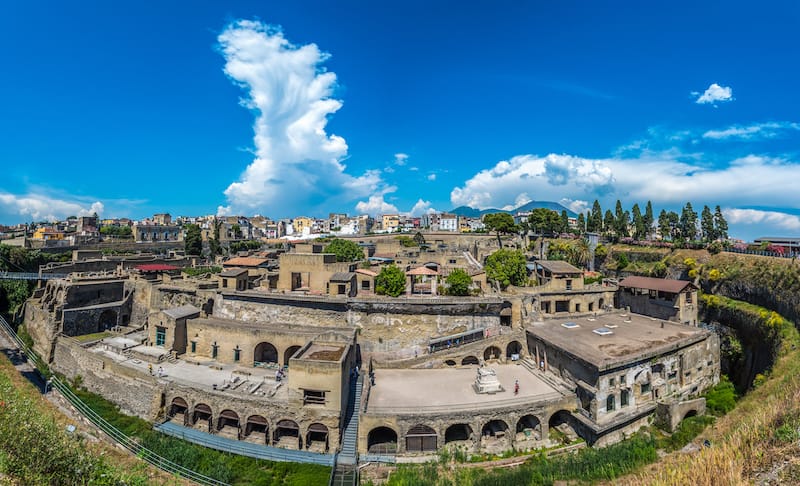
x=581, y=223
x=595, y=221
x=608, y=222
x=648, y=220
x=720, y=225
x=688, y=223
x=707, y=225
x=663, y=225
x=639, y=232
x=621, y=220
x=564, y=221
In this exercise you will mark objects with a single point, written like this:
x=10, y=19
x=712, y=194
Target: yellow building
x=48, y=234
x=301, y=223
x=391, y=222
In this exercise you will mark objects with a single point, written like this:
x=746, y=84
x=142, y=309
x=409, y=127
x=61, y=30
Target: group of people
x=159, y=372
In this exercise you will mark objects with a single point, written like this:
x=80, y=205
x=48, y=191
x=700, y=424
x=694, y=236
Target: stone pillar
x=546, y=366
x=545, y=427
x=409, y=284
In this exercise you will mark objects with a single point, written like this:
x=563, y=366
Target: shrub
x=721, y=399
x=390, y=281
x=458, y=282
x=345, y=250
x=622, y=260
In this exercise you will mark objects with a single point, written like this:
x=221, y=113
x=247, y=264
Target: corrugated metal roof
x=661, y=284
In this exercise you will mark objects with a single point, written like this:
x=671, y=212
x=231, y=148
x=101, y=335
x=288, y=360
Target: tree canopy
x=390, y=281
x=458, y=282
x=545, y=221
x=501, y=223
x=345, y=250
x=507, y=267
x=193, y=241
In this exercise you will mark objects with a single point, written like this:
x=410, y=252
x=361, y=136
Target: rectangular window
x=688, y=297
x=161, y=335
x=313, y=397
x=214, y=350
x=623, y=398
x=236, y=355
x=569, y=284
x=591, y=306
x=611, y=382
x=621, y=379
x=224, y=283
x=562, y=306
x=194, y=346
x=645, y=387
x=365, y=285
x=610, y=403
x=577, y=307
x=452, y=262
x=341, y=289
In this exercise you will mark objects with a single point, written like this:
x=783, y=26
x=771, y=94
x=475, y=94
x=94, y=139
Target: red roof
x=155, y=267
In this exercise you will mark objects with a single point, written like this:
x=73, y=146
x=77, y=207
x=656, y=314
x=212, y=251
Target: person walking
x=516, y=387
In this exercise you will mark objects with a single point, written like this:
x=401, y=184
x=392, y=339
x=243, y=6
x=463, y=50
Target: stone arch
x=562, y=427
x=265, y=353
x=289, y=353
x=317, y=437
x=227, y=420
x=514, y=347
x=421, y=438
x=257, y=426
x=202, y=413
x=382, y=440
x=469, y=360
x=450, y=362
x=529, y=427
x=690, y=413
x=287, y=434
x=178, y=407
x=492, y=352
x=458, y=432
x=494, y=435
x=107, y=319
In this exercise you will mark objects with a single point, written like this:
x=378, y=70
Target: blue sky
x=289, y=108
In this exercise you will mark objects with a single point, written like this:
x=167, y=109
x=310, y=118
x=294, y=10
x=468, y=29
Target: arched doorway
x=265, y=353
x=421, y=438
x=562, y=427
x=382, y=440
x=492, y=352
x=289, y=353
x=690, y=413
x=228, y=424
x=469, y=360
x=494, y=436
x=177, y=410
x=202, y=416
x=450, y=362
x=107, y=320
x=514, y=348
x=529, y=428
x=317, y=438
x=287, y=435
x=257, y=429
x=458, y=433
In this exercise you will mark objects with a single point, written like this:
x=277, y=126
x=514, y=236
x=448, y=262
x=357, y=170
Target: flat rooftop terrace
x=323, y=352
x=450, y=390
x=626, y=337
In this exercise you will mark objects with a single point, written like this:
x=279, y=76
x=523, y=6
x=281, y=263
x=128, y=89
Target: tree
x=595, y=222
x=390, y=281
x=458, y=282
x=214, y=246
x=648, y=220
x=564, y=226
x=506, y=267
x=193, y=241
x=707, y=225
x=720, y=225
x=580, y=252
x=544, y=221
x=236, y=230
x=501, y=223
x=419, y=239
x=621, y=220
x=639, y=230
x=663, y=224
x=688, y=223
x=608, y=222
x=345, y=250
x=581, y=224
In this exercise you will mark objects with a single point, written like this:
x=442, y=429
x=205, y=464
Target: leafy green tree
x=121, y=231
x=193, y=241
x=648, y=219
x=458, y=282
x=707, y=225
x=595, y=221
x=236, y=230
x=390, y=281
x=501, y=223
x=345, y=250
x=544, y=221
x=507, y=267
x=639, y=228
x=688, y=223
x=419, y=239
x=214, y=246
x=720, y=225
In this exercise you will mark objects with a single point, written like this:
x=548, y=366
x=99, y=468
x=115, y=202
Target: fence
x=122, y=439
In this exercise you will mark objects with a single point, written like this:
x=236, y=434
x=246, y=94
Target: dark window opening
x=313, y=397
x=161, y=335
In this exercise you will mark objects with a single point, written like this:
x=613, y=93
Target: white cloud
x=757, y=131
x=421, y=207
x=775, y=219
x=715, y=94
x=42, y=207
x=432, y=176
x=400, y=158
x=376, y=205
x=297, y=164
x=576, y=206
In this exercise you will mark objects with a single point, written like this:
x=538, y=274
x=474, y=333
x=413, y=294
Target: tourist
x=160, y=372
x=516, y=387
x=150, y=369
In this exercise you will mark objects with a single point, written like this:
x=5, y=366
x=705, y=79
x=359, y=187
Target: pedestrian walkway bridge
x=30, y=276
x=243, y=448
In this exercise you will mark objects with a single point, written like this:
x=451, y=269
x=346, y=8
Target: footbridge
x=31, y=276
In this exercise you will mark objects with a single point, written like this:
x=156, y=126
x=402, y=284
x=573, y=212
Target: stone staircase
x=348, y=453
x=548, y=378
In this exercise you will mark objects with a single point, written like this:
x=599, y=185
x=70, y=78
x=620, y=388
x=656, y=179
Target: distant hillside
x=477, y=213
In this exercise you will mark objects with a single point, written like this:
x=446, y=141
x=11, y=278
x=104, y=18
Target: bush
x=506, y=267
x=390, y=281
x=345, y=250
x=721, y=399
x=622, y=260
x=458, y=282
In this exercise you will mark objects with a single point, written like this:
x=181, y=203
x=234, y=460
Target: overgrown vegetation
x=237, y=246
x=390, y=281
x=345, y=250
x=506, y=267
x=225, y=467
x=197, y=271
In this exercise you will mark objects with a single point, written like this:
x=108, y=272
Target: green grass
x=234, y=469
x=687, y=430
x=196, y=271
x=92, y=337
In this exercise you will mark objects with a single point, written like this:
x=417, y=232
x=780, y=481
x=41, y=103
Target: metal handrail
x=131, y=445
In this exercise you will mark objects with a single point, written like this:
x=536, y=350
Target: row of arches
x=265, y=353
x=490, y=353
x=284, y=433
x=495, y=434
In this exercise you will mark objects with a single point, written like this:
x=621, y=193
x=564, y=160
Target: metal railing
x=30, y=276
x=128, y=443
